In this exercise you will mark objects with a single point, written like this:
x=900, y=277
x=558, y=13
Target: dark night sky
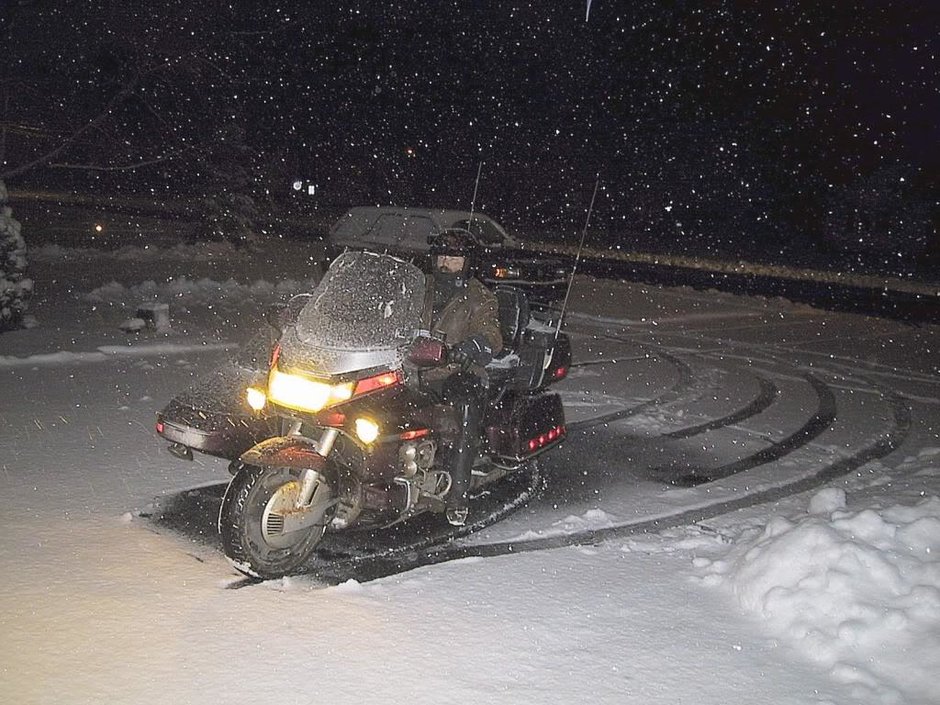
x=701, y=118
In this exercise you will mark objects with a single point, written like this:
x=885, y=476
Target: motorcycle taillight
x=553, y=434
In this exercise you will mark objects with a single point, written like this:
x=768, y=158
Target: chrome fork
x=310, y=479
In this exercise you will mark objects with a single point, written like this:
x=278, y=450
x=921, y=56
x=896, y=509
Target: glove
x=474, y=350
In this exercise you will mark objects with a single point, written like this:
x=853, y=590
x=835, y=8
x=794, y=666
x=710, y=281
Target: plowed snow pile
x=858, y=592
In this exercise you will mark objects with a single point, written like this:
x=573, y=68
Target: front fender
x=285, y=452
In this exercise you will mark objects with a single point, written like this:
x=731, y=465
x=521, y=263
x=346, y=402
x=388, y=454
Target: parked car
x=406, y=232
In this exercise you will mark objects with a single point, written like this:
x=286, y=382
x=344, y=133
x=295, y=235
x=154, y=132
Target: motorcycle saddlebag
x=526, y=426
x=213, y=418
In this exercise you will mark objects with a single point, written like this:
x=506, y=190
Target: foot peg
x=457, y=516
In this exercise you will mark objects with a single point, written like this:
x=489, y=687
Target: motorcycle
x=336, y=429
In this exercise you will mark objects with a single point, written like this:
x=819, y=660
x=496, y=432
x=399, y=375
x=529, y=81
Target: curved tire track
x=765, y=397
x=812, y=428
x=438, y=547
x=383, y=566
x=685, y=382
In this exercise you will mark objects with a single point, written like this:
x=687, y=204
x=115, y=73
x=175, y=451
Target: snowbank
x=857, y=592
x=195, y=291
x=199, y=252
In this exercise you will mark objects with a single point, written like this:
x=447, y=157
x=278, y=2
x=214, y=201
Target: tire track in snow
x=685, y=382
x=439, y=547
x=765, y=397
x=393, y=563
x=812, y=428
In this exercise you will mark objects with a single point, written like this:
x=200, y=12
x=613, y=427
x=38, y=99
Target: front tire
x=251, y=521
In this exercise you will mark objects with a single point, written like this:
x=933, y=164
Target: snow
x=857, y=592
x=826, y=595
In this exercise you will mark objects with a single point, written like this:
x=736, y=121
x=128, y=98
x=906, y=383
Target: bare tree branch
x=98, y=121
x=46, y=158
x=118, y=167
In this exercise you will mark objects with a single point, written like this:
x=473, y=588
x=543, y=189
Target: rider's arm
x=485, y=320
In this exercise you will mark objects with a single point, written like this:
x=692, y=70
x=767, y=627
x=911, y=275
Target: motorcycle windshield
x=365, y=303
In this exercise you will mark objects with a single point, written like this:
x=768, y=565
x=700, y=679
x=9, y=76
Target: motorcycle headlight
x=305, y=394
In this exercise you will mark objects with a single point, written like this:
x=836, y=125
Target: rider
x=466, y=315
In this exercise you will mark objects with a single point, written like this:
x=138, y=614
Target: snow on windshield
x=365, y=301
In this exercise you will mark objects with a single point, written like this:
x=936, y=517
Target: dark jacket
x=473, y=310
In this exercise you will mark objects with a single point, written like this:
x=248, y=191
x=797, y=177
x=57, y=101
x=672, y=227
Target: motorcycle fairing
x=213, y=417
x=362, y=314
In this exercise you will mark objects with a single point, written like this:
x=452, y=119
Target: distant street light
x=298, y=185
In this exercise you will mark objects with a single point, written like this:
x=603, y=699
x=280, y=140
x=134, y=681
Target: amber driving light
x=256, y=398
x=367, y=430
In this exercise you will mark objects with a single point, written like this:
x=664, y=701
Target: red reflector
x=560, y=372
x=334, y=418
x=370, y=384
x=553, y=434
x=533, y=444
x=414, y=433
x=159, y=427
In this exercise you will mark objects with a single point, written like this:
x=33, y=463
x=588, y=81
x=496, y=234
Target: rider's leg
x=464, y=452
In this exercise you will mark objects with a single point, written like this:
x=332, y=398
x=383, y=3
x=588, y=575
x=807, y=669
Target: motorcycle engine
x=417, y=456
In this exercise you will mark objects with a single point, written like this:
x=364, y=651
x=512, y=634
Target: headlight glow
x=305, y=394
x=256, y=398
x=367, y=430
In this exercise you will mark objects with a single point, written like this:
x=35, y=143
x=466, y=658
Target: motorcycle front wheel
x=263, y=533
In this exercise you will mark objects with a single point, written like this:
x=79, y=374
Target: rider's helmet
x=453, y=254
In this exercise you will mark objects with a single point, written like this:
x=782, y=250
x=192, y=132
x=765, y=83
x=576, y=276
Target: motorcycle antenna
x=476, y=186
x=577, y=259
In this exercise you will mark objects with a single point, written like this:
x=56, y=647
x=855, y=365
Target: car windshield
x=484, y=231
x=365, y=301
x=388, y=228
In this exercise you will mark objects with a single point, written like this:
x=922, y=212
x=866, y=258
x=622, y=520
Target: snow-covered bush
x=15, y=286
x=230, y=211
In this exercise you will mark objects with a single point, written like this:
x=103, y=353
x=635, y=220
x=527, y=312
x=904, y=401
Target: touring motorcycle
x=328, y=424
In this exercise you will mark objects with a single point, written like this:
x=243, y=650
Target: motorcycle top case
x=526, y=426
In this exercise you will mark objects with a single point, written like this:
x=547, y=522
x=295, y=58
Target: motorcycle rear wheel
x=254, y=503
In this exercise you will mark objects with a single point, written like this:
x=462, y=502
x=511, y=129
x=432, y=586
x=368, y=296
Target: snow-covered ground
x=747, y=510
